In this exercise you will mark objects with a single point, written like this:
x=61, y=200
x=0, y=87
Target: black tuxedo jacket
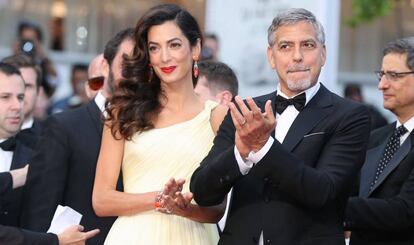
x=11, y=203
x=15, y=236
x=385, y=214
x=63, y=170
x=296, y=194
x=6, y=184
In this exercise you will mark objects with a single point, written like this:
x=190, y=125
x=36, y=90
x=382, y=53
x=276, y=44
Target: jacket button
x=268, y=241
x=266, y=179
x=5, y=213
x=267, y=199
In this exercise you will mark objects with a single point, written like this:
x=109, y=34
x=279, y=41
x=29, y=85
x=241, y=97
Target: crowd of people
x=163, y=149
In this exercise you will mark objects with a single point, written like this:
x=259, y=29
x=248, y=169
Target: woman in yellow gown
x=158, y=130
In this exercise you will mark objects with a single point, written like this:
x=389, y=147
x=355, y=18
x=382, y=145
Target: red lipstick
x=168, y=69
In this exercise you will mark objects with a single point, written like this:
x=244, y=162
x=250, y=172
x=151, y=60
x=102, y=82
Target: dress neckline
x=205, y=108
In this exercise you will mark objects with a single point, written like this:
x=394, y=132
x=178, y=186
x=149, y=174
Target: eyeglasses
x=96, y=83
x=392, y=75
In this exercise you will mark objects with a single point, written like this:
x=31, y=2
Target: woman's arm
x=106, y=200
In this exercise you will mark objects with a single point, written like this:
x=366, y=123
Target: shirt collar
x=100, y=101
x=27, y=124
x=409, y=125
x=310, y=92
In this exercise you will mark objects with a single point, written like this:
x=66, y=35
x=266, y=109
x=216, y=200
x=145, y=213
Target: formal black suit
x=297, y=192
x=6, y=184
x=63, y=170
x=384, y=214
x=16, y=236
x=11, y=203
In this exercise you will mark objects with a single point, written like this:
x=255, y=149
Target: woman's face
x=170, y=53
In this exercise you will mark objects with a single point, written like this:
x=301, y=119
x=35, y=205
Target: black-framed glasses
x=392, y=75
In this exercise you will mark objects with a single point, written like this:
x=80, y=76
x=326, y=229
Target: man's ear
x=224, y=97
x=105, y=68
x=270, y=57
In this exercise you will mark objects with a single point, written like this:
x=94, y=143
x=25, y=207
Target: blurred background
x=74, y=31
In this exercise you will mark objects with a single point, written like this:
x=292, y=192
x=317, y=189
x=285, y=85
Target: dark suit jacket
x=15, y=236
x=10, y=205
x=297, y=192
x=63, y=170
x=385, y=214
x=6, y=184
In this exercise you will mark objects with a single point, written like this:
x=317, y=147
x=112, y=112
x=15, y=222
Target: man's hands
x=74, y=235
x=253, y=128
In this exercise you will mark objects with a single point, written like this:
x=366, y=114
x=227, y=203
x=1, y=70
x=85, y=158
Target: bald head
x=95, y=67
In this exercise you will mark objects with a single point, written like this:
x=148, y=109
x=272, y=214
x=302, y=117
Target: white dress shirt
x=409, y=125
x=100, y=101
x=27, y=124
x=6, y=158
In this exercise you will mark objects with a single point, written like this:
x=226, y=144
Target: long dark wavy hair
x=136, y=103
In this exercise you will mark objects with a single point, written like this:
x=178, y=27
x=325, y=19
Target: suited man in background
x=63, y=167
x=290, y=174
x=383, y=213
x=14, y=236
x=14, y=154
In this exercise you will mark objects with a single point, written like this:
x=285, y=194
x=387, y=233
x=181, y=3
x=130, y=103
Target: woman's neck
x=178, y=96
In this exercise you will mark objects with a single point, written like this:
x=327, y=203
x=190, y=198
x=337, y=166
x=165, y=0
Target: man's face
x=11, y=104
x=297, y=56
x=115, y=70
x=398, y=92
x=203, y=90
x=29, y=76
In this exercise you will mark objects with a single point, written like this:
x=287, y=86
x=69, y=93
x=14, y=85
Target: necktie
x=298, y=102
x=9, y=144
x=392, y=146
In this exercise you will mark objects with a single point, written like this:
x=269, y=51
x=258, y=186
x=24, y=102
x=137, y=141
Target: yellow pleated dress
x=150, y=159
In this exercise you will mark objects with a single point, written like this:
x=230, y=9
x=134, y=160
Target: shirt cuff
x=254, y=157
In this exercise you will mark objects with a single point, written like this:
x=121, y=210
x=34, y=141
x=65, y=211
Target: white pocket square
x=312, y=134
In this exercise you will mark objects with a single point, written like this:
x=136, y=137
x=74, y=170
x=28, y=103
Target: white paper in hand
x=64, y=217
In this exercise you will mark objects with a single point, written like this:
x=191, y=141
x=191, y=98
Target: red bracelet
x=158, y=198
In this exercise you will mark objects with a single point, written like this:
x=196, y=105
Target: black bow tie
x=298, y=102
x=9, y=144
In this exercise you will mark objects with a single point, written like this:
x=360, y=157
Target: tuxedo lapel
x=317, y=109
x=95, y=115
x=21, y=156
x=394, y=162
x=369, y=168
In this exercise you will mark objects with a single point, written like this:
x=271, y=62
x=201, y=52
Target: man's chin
x=299, y=86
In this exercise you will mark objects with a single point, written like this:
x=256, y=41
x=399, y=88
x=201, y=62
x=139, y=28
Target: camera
x=27, y=47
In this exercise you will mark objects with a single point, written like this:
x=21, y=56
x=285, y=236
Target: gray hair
x=292, y=16
x=402, y=46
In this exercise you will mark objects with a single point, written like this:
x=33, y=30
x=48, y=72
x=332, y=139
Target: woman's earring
x=195, y=69
x=151, y=73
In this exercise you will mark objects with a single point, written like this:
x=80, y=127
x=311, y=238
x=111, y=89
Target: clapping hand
x=253, y=128
x=172, y=200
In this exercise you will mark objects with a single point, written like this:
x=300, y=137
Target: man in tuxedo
x=14, y=154
x=290, y=172
x=13, y=236
x=63, y=167
x=383, y=212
